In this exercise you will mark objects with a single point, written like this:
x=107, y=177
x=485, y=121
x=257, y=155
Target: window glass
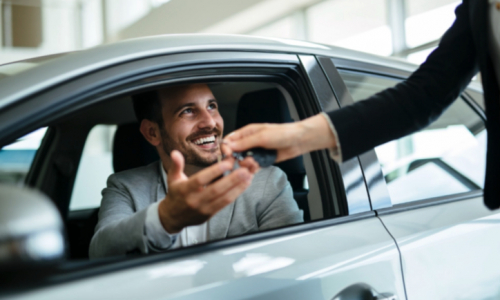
x=16, y=158
x=94, y=169
x=447, y=157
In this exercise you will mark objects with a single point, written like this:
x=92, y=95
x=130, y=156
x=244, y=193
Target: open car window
x=113, y=144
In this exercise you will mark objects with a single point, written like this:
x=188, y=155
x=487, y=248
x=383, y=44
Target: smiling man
x=181, y=200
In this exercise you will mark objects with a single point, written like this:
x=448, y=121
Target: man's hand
x=289, y=139
x=193, y=200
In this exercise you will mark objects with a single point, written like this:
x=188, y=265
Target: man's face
x=192, y=123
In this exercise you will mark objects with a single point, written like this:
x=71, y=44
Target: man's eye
x=212, y=106
x=187, y=111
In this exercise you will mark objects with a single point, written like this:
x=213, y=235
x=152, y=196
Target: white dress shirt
x=160, y=238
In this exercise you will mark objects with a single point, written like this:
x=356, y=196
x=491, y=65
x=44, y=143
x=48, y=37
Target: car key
x=264, y=157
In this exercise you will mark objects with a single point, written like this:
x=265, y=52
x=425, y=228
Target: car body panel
x=311, y=265
x=449, y=251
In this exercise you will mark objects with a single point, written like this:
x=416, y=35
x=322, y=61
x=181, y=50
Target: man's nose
x=206, y=120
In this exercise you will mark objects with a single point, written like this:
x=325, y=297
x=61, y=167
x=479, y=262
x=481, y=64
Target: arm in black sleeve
x=416, y=102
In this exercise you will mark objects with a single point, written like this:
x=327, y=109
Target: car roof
x=38, y=74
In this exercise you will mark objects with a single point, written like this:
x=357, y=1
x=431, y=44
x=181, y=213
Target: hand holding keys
x=264, y=157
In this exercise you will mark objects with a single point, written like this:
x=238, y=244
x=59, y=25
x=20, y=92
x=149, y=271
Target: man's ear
x=151, y=132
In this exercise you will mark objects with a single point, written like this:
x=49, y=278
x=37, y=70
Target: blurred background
x=409, y=29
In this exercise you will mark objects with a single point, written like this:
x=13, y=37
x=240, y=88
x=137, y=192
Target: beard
x=191, y=156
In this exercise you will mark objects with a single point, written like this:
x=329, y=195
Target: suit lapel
x=218, y=225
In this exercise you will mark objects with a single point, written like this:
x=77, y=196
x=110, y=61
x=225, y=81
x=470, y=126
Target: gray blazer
x=267, y=203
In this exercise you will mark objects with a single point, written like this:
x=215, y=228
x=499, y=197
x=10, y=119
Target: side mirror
x=31, y=229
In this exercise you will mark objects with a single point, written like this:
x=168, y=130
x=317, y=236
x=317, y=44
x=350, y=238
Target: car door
x=344, y=249
x=448, y=239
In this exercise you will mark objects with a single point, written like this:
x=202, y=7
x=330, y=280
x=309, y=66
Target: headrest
x=130, y=149
x=268, y=106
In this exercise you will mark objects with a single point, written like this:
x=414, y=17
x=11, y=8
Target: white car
x=402, y=221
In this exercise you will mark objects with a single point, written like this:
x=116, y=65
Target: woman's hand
x=289, y=139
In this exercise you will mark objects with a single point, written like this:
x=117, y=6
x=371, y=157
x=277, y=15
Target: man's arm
x=120, y=229
x=189, y=201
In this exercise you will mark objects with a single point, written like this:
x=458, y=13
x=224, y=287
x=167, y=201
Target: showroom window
x=447, y=157
x=353, y=24
x=16, y=159
x=283, y=28
x=427, y=20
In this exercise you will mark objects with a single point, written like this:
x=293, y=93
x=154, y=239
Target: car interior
x=56, y=164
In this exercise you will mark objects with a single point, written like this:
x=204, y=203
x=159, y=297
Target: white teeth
x=200, y=141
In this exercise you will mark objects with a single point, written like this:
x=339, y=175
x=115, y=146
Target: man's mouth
x=206, y=142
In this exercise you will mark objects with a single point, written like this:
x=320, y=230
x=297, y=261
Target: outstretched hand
x=289, y=139
x=193, y=200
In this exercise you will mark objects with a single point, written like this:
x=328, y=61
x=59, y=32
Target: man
x=181, y=200
x=471, y=43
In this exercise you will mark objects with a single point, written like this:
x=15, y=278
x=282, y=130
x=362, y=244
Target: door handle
x=386, y=296
x=362, y=291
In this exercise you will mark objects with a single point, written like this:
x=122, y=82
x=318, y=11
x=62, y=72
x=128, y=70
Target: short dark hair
x=147, y=105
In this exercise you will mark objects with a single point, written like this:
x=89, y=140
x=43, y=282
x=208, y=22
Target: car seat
x=130, y=148
x=269, y=106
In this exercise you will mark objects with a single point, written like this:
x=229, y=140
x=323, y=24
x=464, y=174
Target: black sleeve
x=416, y=102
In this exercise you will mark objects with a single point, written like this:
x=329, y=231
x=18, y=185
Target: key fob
x=264, y=157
